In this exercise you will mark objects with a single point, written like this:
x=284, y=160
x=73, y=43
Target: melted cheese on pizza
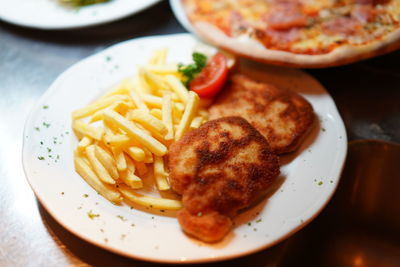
x=300, y=26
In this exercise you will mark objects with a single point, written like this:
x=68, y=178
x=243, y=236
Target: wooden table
x=367, y=95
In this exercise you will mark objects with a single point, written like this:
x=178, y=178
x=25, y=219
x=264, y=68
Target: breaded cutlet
x=281, y=115
x=219, y=168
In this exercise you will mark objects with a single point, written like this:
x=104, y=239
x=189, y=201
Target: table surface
x=367, y=95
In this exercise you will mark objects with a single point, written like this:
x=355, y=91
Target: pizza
x=299, y=33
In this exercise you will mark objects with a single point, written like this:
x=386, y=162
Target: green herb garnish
x=91, y=215
x=121, y=218
x=78, y=3
x=190, y=71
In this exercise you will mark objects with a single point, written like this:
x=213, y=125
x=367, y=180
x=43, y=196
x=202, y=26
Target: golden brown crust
x=282, y=116
x=210, y=226
x=219, y=168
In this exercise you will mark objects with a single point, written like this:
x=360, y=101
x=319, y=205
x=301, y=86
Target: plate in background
x=50, y=15
x=177, y=9
x=309, y=176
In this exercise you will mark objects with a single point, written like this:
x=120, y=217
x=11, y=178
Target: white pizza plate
x=177, y=9
x=50, y=15
x=309, y=176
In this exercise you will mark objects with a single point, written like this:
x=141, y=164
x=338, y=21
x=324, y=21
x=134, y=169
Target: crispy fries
x=86, y=172
x=188, y=115
x=125, y=134
x=148, y=201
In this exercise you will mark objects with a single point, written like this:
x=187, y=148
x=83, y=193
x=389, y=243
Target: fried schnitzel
x=219, y=168
x=282, y=116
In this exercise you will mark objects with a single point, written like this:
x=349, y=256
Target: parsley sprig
x=191, y=70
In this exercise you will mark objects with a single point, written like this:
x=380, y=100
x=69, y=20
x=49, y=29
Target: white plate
x=309, y=178
x=48, y=14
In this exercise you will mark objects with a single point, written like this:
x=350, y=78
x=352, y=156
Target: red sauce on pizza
x=300, y=26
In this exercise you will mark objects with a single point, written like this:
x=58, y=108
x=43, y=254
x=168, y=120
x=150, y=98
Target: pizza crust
x=250, y=48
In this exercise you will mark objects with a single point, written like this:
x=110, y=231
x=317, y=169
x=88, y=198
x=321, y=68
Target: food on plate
x=209, y=80
x=79, y=3
x=125, y=134
x=302, y=33
x=282, y=116
x=151, y=127
x=219, y=168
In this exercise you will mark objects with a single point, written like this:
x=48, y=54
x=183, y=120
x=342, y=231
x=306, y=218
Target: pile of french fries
x=125, y=134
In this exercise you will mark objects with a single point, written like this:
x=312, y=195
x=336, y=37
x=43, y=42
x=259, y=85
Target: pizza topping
x=364, y=2
x=237, y=23
x=278, y=39
x=341, y=25
x=301, y=26
x=285, y=15
x=363, y=13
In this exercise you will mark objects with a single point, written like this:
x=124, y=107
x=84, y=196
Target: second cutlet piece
x=281, y=115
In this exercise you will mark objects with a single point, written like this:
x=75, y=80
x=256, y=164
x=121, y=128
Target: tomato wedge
x=212, y=77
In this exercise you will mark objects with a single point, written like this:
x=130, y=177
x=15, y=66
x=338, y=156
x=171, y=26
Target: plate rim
x=88, y=24
x=339, y=160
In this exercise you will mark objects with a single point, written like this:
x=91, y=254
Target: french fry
x=148, y=201
x=85, y=171
x=176, y=115
x=196, y=122
x=152, y=101
x=122, y=106
x=167, y=117
x=128, y=176
x=98, y=168
x=155, y=81
x=163, y=69
x=119, y=106
x=174, y=96
x=107, y=161
x=141, y=168
x=148, y=141
x=122, y=88
x=179, y=106
x=137, y=99
x=87, y=129
x=189, y=113
x=83, y=143
x=203, y=113
x=100, y=104
x=135, y=153
x=148, y=156
x=116, y=140
x=141, y=85
x=148, y=121
x=119, y=158
x=177, y=86
x=160, y=175
x=158, y=57
x=156, y=113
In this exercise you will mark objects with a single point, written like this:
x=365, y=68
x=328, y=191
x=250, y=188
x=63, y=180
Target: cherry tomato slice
x=212, y=77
